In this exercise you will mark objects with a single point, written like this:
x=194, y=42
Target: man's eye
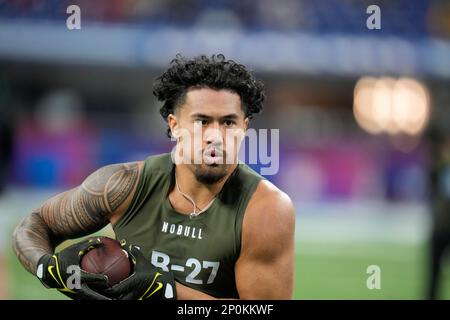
x=202, y=122
x=229, y=123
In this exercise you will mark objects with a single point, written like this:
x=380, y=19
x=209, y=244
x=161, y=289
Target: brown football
x=108, y=259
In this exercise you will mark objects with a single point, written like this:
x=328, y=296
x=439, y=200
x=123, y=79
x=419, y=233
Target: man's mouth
x=213, y=156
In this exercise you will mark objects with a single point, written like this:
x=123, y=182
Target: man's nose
x=213, y=135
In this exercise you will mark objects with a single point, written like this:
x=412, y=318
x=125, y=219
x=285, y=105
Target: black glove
x=146, y=282
x=60, y=270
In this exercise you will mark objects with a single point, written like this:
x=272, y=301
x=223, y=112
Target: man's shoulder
x=109, y=174
x=136, y=169
x=267, y=204
x=268, y=194
x=115, y=184
x=269, y=222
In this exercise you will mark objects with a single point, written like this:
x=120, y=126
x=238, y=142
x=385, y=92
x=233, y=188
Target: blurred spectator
x=280, y=15
x=56, y=148
x=440, y=206
x=425, y=17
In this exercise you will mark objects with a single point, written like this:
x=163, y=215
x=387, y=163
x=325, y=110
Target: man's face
x=209, y=127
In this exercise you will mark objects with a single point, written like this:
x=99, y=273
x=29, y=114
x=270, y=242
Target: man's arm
x=265, y=268
x=102, y=198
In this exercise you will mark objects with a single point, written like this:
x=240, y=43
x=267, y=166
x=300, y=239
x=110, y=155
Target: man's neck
x=201, y=193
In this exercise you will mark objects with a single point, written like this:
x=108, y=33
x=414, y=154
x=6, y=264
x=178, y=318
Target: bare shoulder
x=115, y=184
x=270, y=201
x=108, y=176
x=269, y=218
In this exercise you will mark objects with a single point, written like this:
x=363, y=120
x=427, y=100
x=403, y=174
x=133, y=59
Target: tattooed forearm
x=31, y=240
x=102, y=197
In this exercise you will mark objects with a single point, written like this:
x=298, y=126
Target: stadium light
x=392, y=106
x=363, y=106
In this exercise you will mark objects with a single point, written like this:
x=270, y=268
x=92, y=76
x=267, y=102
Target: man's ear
x=173, y=124
x=246, y=123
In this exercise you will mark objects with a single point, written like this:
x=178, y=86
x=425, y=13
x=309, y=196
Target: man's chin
x=211, y=173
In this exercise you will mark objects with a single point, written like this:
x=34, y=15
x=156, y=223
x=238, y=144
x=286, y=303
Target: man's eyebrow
x=200, y=115
x=231, y=116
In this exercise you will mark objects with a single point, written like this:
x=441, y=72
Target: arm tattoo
x=75, y=213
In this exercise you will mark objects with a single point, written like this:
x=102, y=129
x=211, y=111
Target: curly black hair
x=214, y=72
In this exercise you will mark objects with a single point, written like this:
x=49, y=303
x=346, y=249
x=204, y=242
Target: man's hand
x=55, y=270
x=146, y=282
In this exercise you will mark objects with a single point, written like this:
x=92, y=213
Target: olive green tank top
x=200, y=251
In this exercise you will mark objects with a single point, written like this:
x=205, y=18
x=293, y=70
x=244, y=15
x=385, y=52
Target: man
x=205, y=227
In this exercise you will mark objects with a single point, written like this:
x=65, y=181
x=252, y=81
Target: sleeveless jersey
x=200, y=251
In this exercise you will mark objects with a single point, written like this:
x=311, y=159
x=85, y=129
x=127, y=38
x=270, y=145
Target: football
x=108, y=259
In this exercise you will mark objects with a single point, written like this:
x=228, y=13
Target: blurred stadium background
x=354, y=107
